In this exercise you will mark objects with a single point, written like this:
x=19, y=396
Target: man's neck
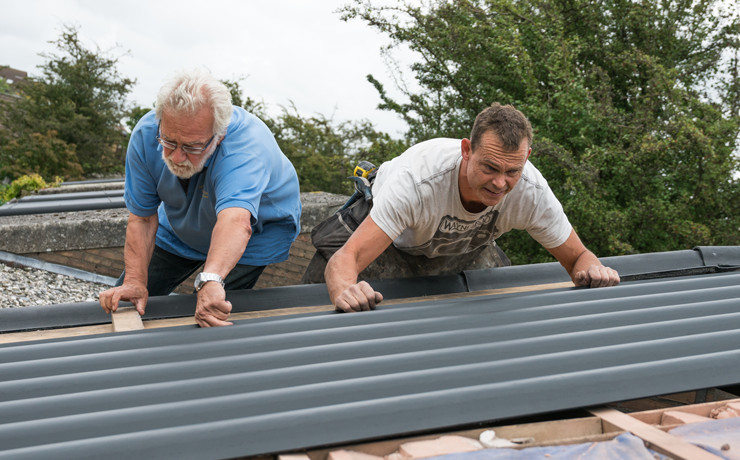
x=466, y=192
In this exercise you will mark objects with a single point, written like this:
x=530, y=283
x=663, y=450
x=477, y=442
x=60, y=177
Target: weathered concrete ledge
x=105, y=228
x=63, y=231
x=317, y=206
x=93, y=240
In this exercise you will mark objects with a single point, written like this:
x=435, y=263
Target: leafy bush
x=23, y=184
x=39, y=154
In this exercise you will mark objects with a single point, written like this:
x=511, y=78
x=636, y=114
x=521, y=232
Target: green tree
x=634, y=106
x=324, y=152
x=133, y=116
x=4, y=86
x=42, y=154
x=81, y=97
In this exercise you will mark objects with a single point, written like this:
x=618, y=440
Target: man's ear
x=528, y=154
x=466, y=149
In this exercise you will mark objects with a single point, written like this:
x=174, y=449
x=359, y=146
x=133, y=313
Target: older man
x=206, y=184
x=443, y=202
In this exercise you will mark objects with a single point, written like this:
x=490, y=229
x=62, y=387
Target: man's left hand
x=212, y=308
x=597, y=276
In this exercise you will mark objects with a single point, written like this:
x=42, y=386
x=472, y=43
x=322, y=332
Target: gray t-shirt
x=416, y=202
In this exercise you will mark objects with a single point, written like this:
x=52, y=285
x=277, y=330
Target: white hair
x=189, y=90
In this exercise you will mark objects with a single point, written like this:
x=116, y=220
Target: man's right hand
x=364, y=246
x=358, y=297
x=134, y=293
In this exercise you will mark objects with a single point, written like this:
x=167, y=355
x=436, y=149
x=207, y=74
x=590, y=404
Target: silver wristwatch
x=204, y=277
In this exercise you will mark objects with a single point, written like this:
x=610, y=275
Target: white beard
x=186, y=169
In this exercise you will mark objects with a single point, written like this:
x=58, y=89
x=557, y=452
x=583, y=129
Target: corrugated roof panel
x=283, y=383
x=689, y=262
x=70, y=196
x=47, y=206
x=68, y=201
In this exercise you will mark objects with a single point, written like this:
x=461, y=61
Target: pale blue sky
x=288, y=50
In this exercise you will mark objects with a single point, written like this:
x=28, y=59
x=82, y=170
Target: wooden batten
x=126, y=319
x=659, y=440
x=606, y=424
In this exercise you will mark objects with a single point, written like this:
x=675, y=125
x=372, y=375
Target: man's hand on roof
x=358, y=297
x=597, y=276
x=132, y=292
x=212, y=308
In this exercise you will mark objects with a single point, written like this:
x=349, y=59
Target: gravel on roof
x=27, y=287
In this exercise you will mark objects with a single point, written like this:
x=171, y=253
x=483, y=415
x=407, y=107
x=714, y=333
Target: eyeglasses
x=189, y=149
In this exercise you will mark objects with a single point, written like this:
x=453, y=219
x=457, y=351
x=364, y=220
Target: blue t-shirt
x=247, y=170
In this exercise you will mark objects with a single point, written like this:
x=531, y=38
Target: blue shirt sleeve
x=140, y=187
x=246, y=166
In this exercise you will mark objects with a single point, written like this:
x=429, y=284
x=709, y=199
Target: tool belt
x=331, y=234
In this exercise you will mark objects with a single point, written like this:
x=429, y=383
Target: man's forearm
x=340, y=273
x=360, y=250
x=137, y=253
x=229, y=240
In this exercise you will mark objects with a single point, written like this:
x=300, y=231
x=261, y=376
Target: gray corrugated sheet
x=70, y=196
x=56, y=200
x=75, y=202
x=278, y=384
x=629, y=267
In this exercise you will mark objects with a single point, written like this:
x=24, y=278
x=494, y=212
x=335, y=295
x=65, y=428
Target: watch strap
x=204, y=277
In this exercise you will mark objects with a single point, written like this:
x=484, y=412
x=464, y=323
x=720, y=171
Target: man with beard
x=206, y=185
x=438, y=208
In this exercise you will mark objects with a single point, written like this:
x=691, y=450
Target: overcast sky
x=287, y=50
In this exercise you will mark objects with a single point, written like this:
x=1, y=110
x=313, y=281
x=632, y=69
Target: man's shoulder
x=149, y=118
x=532, y=190
x=532, y=177
x=247, y=133
x=143, y=144
x=146, y=123
x=243, y=120
x=436, y=146
x=426, y=159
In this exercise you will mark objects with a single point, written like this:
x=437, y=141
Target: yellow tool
x=363, y=169
x=360, y=177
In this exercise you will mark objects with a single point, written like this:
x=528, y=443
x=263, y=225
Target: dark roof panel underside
x=278, y=384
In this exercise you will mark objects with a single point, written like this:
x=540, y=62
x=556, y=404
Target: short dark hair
x=506, y=122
